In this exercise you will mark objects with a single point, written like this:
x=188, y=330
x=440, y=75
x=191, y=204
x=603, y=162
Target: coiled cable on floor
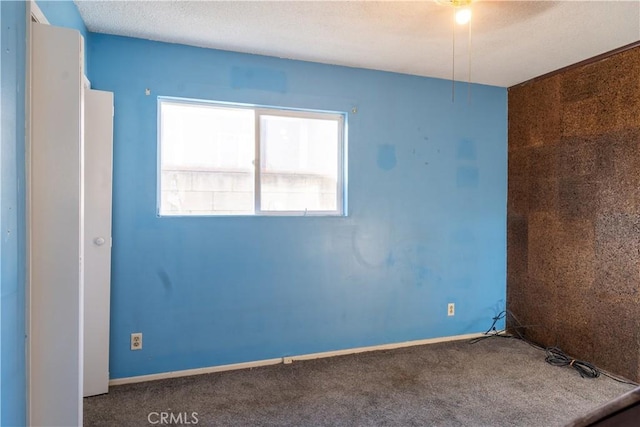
x=557, y=357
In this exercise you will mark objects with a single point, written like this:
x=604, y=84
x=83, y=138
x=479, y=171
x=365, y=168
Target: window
x=219, y=159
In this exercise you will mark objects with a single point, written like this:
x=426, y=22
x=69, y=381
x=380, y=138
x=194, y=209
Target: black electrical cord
x=557, y=357
x=493, y=332
x=554, y=356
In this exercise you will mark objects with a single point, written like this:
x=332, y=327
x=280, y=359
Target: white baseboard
x=196, y=371
x=287, y=359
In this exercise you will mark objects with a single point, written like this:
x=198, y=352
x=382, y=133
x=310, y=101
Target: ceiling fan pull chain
x=469, y=60
x=453, y=59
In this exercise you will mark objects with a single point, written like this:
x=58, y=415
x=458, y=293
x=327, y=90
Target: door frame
x=34, y=14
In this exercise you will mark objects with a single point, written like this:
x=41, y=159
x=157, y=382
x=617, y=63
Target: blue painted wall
x=426, y=224
x=13, y=405
x=12, y=196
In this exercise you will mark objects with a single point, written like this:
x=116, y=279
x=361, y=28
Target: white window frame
x=260, y=111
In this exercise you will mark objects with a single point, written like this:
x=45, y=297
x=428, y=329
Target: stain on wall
x=573, y=238
x=467, y=176
x=386, y=157
x=261, y=78
x=466, y=150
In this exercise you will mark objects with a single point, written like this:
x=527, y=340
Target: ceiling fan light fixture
x=463, y=15
x=454, y=3
x=462, y=8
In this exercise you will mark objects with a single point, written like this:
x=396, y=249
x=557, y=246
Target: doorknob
x=99, y=241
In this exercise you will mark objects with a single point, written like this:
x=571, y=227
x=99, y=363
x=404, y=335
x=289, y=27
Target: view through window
x=225, y=160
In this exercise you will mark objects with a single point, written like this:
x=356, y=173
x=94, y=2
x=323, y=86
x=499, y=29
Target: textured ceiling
x=511, y=41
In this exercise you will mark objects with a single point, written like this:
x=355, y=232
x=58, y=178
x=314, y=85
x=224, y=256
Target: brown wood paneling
x=574, y=211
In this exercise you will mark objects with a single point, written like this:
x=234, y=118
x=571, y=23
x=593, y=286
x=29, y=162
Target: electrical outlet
x=136, y=341
x=451, y=309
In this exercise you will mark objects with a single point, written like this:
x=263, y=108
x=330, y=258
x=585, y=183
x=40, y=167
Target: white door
x=98, y=139
x=55, y=228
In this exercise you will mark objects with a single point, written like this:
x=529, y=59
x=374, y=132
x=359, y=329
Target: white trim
x=85, y=82
x=288, y=359
x=257, y=163
x=34, y=10
x=391, y=346
x=197, y=371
